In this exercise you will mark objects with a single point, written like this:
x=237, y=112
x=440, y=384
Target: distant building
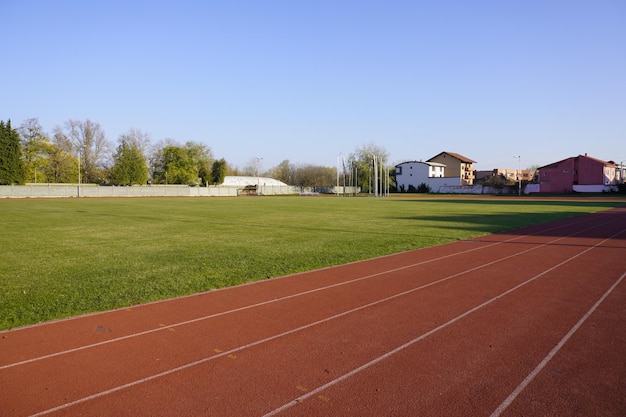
x=581, y=173
x=456, y=166
x=511, y=175
x=242, y=181
x=415, y=173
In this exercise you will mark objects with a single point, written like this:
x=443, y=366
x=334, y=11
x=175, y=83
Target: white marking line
x=327, y=319
x=425, y=335
x=251, y=306
x=477, y=239
x=509, y=400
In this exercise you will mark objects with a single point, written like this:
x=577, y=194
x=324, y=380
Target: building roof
x=242, y=181
x=433, y=164
x=457, y=156
x=554, y=164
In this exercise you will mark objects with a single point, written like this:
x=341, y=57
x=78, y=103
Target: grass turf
x=71, y=256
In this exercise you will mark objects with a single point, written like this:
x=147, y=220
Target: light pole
x=337, y=188
x=258, y=184
x=519, y=175
x=78, y=192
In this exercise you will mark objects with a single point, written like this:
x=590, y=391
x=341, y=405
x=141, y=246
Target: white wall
x=89, y=190
x=415, y=173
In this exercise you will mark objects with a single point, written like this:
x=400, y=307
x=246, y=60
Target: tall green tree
x=129, y=164
x=218, y=171
x=175, y=164
x=35, y=150
x=11, y=164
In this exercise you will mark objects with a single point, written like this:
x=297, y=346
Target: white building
x=414, y=173
x=242, y=181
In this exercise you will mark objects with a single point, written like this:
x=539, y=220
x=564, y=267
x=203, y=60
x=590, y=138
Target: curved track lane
x=528, y=322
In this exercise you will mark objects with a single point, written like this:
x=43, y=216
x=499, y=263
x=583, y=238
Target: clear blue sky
x=307, y=80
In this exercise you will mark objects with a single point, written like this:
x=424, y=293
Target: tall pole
x=375, y=177
x=343, y=174
x=79, y=172
x=519, y=175
x=258, y=182
x=337, y=188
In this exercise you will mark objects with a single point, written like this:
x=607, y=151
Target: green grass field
x=72, y=256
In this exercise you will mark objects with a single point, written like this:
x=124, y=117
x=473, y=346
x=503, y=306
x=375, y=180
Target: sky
x=504, y=83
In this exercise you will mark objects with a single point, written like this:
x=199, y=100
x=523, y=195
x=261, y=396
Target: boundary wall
x=91, y=190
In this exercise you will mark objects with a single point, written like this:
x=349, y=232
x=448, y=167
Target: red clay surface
x=530, y=322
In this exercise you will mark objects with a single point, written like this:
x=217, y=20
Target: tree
x=175, y=164
x=36, y=148
x=363, y=160
x=174, y=167
x=129, y=164
x=137, y=139
x=218, y=171
x=285, y=172
x=62, y=164
x=253, y=168
x=201, y=158
x=314, y=176
x=11, y=164
x=90, y=145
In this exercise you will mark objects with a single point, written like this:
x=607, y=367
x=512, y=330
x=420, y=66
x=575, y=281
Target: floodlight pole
x=519, y=175
x=337, y=188
x=375, y=176
x=78, y=192
x=258, y=182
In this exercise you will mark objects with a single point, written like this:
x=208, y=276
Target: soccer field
x=72, y=256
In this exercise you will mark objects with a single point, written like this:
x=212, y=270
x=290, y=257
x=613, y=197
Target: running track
x=530, y=322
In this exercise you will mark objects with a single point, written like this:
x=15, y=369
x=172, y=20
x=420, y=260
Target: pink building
x=581, y=173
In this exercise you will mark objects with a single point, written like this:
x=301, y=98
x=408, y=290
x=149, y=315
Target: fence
x=91, y=190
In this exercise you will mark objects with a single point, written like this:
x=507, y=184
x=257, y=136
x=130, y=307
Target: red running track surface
x=529, y=322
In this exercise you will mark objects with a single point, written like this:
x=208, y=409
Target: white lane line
x=251, y=306
x=429, y=333
x=583, y=219
x=509, y=400
x=235, y=310
x=327, y=319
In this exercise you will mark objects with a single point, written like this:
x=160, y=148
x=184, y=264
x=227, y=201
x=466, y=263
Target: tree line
x=79, y=152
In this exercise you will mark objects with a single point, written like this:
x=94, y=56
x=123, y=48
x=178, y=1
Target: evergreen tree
x=218, y=171
x=11, y=164
x=129, y=165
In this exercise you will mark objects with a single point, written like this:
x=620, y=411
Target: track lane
x=572, y=244
x=140, y=320
x=465, y=367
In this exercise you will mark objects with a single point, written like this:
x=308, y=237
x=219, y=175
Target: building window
x=398, y=170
